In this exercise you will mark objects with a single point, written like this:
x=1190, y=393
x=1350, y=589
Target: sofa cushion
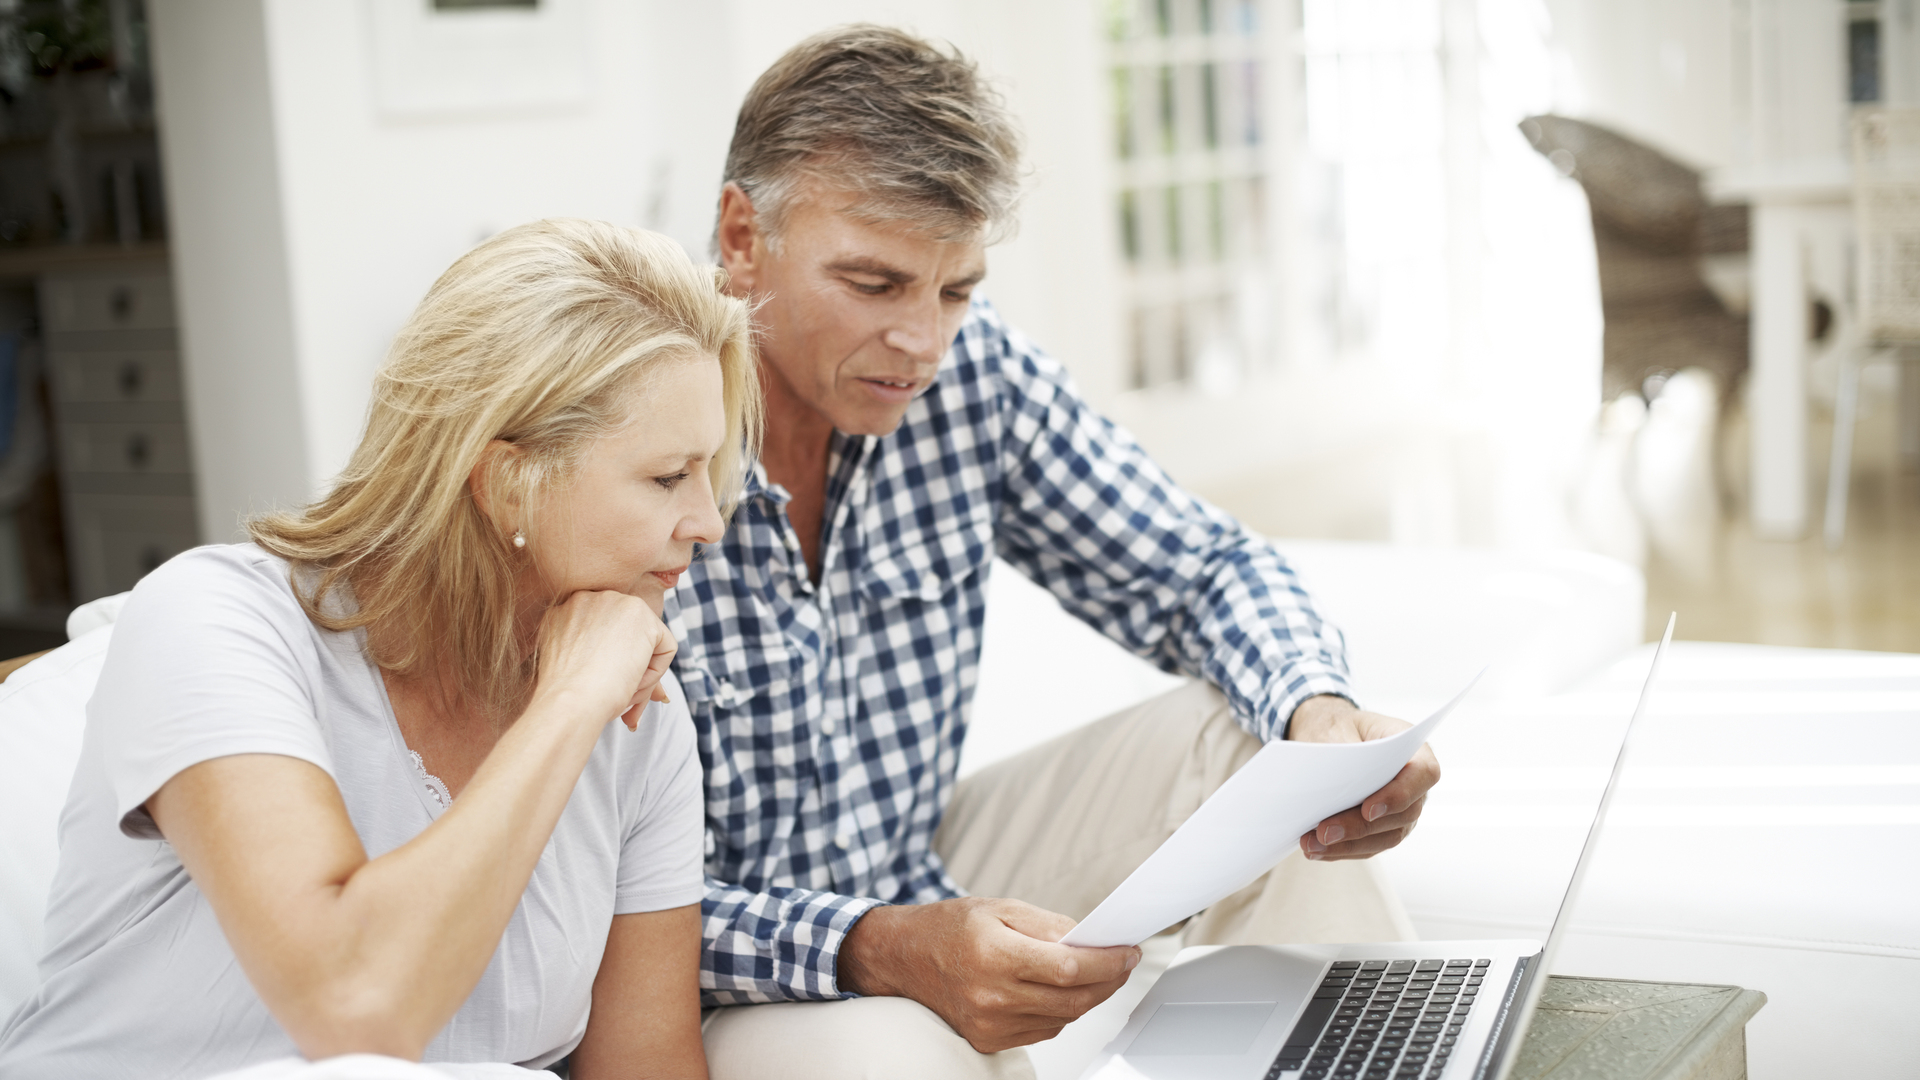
x=43, y=714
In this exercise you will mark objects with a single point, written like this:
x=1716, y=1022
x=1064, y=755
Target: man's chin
x=870, y=421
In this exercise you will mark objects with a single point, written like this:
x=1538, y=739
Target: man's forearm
x=1314, y=716
x=869, y=954
x=992, y=969
x=1181, y=583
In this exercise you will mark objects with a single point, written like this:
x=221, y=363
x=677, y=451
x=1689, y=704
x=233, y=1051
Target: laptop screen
x=1538, y=983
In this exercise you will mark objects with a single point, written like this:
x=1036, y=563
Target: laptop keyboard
x=1382, y=1020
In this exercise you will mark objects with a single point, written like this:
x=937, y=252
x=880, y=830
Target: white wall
x=315, y=198
x=1721, y=84
x=230, y=259
x=1663, y=72
x=378, y=205
x=308, y=224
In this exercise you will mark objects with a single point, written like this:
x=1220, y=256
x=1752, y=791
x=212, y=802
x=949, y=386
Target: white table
x=1802, y=225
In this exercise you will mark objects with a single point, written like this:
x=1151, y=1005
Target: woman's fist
x=609, y=648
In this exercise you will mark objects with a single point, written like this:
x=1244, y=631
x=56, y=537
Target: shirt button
x=843, y=841
x=826, y=727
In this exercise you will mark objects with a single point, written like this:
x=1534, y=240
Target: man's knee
x=872, y=1038
x=1189, y=730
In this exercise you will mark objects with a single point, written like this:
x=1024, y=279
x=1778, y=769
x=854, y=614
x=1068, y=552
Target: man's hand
x=992, y=969
x=1383, y=818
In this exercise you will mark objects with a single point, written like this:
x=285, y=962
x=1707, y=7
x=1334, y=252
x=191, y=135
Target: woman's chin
x=652, y=592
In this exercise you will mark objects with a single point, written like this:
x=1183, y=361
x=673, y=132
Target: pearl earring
x=519, y=539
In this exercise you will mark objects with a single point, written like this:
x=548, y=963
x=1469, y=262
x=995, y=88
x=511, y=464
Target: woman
x=355, y=786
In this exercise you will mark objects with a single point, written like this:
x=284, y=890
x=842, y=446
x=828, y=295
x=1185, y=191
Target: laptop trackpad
x=1202, y=1028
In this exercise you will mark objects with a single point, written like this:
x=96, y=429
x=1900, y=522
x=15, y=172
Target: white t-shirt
x=213, y=656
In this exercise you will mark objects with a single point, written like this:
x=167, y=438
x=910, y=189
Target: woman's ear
x=493, y=490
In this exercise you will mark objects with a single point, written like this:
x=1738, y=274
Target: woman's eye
x=669, y=482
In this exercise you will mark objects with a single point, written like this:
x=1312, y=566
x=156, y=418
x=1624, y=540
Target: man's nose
x=918, y=334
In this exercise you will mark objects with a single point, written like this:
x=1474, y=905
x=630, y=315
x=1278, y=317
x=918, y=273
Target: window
x=1376, y=199
x=1192, y=139
x=1863, y=52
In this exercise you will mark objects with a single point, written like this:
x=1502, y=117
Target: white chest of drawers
x=125, y=464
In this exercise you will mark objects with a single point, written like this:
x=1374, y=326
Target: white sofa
x=1769, y=835
x=42, y=716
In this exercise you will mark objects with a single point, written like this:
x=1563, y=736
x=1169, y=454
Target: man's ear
x=738, y=236
x=497, y=498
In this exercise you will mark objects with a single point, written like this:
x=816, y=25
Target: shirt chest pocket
x=925, y=607
x=750, y=659
x=926, y=563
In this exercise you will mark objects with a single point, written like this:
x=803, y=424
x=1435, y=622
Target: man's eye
x=954, y=296
x=865, y=289
x=669, y=482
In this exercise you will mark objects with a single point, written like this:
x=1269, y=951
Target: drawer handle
x=121, y=304
x=131, y=378
x=138, y=450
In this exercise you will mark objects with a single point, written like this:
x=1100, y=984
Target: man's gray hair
x=911, y=128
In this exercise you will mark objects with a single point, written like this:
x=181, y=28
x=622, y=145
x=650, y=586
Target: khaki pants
x=1060, y=826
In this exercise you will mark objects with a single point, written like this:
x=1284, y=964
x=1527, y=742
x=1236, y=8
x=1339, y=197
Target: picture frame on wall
x=437, y=58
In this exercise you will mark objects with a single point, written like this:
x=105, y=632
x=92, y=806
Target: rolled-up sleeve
x=779, y=944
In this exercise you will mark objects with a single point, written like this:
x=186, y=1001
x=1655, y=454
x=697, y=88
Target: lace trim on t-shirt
x=436, y=789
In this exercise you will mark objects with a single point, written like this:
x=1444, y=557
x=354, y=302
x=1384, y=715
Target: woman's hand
x=609, y=648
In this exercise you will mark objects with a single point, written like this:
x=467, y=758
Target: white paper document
x=1248, y=826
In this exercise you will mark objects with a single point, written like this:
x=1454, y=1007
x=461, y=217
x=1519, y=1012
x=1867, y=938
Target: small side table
x=1612, y=1029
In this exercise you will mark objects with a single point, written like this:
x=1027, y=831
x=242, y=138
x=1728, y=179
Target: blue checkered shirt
x=830, y=717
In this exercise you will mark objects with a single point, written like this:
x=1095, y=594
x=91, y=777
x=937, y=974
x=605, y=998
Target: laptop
x=1428, y=1010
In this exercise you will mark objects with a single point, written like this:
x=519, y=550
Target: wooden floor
x=1866, y=595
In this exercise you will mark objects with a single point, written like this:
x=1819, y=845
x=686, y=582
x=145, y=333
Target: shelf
x=29, y=261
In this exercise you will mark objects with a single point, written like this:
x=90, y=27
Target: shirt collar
x=756, y=485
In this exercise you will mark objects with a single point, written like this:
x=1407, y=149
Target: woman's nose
x=703, y=525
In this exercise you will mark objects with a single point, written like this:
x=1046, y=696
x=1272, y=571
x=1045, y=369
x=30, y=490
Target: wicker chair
x=1651, y=225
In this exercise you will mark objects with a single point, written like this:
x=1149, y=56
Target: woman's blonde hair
x=541, y=337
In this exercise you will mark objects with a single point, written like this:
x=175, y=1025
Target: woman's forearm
x=645, y=1021
x=428, y=916
x=359, y=955
x=352, y=954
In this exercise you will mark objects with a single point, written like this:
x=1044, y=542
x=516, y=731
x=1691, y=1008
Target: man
x=867, y=916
